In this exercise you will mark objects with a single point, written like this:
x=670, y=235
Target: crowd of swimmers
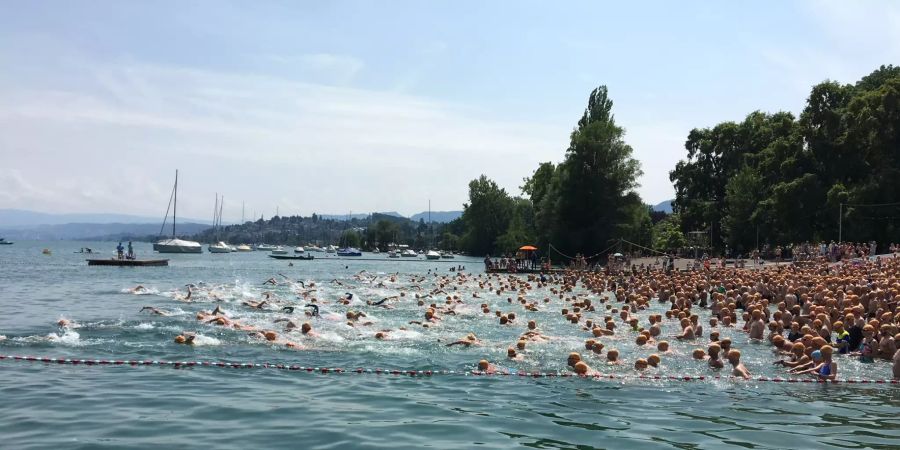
x=811, y=318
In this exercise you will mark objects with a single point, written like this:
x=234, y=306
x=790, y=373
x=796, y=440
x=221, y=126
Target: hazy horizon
x=354, y=106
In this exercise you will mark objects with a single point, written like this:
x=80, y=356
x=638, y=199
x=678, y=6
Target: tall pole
x=840, y=221
x=175, y=207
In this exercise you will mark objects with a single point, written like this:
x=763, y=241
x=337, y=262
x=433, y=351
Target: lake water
x=66, y=406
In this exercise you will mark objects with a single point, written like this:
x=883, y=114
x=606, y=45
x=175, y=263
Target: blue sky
x=373, y=106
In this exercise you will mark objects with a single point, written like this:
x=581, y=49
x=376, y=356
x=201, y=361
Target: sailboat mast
x=243, y=207
x=175, y=206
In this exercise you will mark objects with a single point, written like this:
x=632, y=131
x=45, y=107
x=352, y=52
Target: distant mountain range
x=21, y=218
x=437, y=216
x=23, y=224
x=96, y=231
x=665, y=206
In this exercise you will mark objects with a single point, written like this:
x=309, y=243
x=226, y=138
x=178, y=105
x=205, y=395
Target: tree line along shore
x=773, y=179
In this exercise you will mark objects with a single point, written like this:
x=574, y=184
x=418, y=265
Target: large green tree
x=486, y=216
x=788, y=180
x=590, y=194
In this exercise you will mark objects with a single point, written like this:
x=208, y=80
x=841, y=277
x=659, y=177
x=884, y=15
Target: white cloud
x=337, y=69
x=271, y=141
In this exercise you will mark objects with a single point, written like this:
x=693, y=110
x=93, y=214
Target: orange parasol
x=528, y=248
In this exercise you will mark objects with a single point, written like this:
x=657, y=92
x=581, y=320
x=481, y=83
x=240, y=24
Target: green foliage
x=486, y=216
x=588, y=199
x=667, y=235
x=350, y=238
x=520, y=230
x=787, y=178
x=579, y=205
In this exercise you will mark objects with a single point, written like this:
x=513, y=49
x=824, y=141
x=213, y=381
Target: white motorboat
x=243, y=248
x=279, y=251
x=175, y=245
x=447, y=255
x=393, y=254
x=314, y=249
x=219, y=247
x=331, y=249
x=431, y=254
x=265, y=248
x=409, y=254
x=299, y=250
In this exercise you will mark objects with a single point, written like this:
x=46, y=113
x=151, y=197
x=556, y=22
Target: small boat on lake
x=265, y=248
x=408, y=253
x=393, y=254
x=349, y=251
x=447, y=255
x=243, y=248
x=219, y=247
x=5, y=242
x=279, y=251
x=431, y=254
x=293, y=257
x=299, y=250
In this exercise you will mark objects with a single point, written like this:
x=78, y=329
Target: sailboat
x=218, y=247
x=431, y=254
x=175, y=245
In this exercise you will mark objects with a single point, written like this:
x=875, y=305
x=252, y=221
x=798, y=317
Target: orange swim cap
x=581, y=368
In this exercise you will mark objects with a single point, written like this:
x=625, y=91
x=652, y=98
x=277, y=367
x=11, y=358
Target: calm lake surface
x=64, y=406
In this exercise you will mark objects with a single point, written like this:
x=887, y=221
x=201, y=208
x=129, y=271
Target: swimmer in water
x=757, y=326
x=896, y=362
x=687, y=331
x=139, y=289
x=307, y=330
x=256, y=305
x=154, y=310
x=485, y=367
x=467, y=341
x=738, y=368
x=381, y=302
x=185, y=338
x=715, y=362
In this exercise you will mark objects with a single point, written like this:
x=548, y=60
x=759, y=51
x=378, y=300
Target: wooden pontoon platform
x=128, y=262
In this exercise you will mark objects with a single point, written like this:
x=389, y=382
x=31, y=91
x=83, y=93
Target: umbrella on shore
x=528, y=248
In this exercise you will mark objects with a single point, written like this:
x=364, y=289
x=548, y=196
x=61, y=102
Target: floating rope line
x=419, y=373
x=586, y=257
